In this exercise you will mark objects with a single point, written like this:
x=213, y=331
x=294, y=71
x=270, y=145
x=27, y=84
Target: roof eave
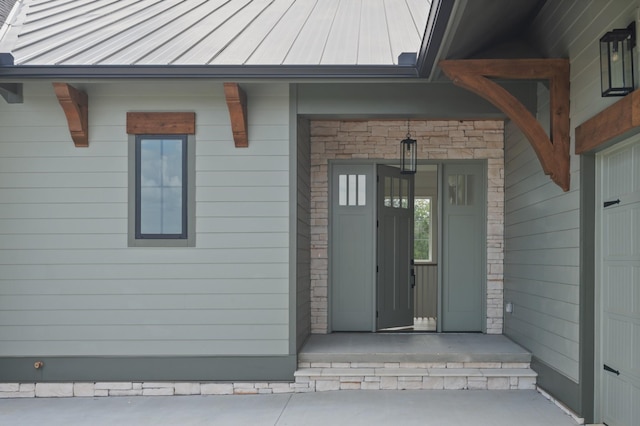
x=434, y=36
x=203, y=71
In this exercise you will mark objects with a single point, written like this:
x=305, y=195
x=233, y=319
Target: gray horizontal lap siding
x=70, y=286
x=545, y=229
x=541, y=256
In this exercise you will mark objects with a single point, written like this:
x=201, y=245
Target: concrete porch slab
x=411, y=347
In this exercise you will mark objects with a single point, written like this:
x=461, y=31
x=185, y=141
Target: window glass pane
x=387, y=191
x=469, y=190
x=342, y=190
x=172, y=211
x=150, y=210
x=362, y=190
x=161, y=186
x=352, y=190
x=404, y=193
x=422, y=229
x=462, y=190
x=396, y=193
x=453, y=189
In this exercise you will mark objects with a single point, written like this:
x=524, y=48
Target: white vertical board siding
x=69, y=285
x=542, y=222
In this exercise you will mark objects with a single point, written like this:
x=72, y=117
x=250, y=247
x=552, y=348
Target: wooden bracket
x=75, y=105
x=553, y=153
x=237, y=104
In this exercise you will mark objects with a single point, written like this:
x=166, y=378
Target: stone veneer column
x=379, y=139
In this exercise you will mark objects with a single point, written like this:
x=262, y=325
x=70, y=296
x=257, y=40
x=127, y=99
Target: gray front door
x=464, y=247
x=395, y=248
x=352, y=254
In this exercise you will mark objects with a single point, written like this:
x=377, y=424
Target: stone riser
x=329, y=383
x=401, y=376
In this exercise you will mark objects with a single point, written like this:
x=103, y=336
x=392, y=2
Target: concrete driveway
x=494, y=408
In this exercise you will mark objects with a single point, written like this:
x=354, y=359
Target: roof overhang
x=204, y=71
x=439, y=21
x=425, y=62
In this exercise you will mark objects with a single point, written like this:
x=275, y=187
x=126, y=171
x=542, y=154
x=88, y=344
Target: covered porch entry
x=439, y=142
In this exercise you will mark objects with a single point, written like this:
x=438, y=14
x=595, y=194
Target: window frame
x=187, y=237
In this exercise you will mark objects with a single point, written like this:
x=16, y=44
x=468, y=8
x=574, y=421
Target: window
x=161, y=186
x=352, y=190
x=422, y=244
x=161, y=180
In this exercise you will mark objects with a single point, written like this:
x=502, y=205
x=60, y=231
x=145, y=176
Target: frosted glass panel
x=352, y=190
x=342, y=190
x=362, y=190
x=460, y=190
x=353, y=185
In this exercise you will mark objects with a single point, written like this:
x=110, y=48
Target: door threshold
x=420, y=325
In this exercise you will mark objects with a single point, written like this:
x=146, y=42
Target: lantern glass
x=408, y=157
x=616, y=61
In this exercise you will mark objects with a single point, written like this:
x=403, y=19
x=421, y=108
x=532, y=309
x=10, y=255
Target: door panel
x=464, y=247
x=395, y=248
x=352, y=256
x=620, y=286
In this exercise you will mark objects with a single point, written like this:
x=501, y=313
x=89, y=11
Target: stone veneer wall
x=379, y=139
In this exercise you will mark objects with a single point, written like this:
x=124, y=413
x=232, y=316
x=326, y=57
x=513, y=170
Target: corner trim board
x=553, y=152
x=148, y=368
x=75, y=105
x=237, y=104
x=558, y=385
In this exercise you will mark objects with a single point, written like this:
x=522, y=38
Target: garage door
x=619, y=343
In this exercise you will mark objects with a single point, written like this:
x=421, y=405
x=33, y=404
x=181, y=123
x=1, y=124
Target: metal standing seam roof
x=214, y=32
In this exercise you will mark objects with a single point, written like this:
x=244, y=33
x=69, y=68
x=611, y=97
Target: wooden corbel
x=75, y=105
x=553, y=153
x=237, y=104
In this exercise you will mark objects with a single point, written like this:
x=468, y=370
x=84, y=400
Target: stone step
x=510, y=376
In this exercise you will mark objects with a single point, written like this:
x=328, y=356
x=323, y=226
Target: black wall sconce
x=408, y=154
x=616, y=61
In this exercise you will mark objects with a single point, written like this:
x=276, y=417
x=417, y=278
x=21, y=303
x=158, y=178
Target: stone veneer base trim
x=311, y=377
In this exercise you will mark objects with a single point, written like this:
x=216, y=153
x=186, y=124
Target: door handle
x=611, y=370
x=413, y=278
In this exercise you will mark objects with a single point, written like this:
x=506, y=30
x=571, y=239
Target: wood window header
x=165, y=123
